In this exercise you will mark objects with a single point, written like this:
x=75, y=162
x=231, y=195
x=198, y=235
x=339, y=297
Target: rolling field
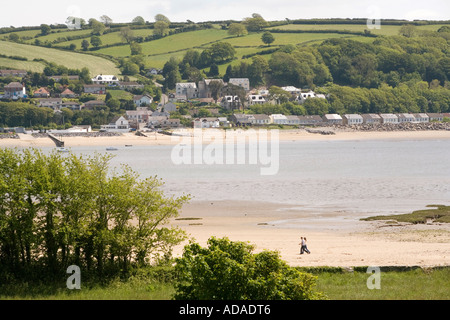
x=387, y=30
x=33, y=66
x=72, y=60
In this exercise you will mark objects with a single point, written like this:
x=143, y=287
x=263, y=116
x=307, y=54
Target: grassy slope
x=72, y=60
x=438, y=214
x=22, y=65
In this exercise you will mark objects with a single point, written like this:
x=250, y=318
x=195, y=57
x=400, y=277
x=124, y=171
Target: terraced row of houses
x=336, y=119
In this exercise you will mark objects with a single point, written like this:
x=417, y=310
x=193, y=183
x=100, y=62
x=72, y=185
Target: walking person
x=303, y=247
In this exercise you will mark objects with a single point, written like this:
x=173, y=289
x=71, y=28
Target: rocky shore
x=405, y=126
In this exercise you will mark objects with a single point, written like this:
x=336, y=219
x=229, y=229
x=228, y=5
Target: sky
x=34, y=13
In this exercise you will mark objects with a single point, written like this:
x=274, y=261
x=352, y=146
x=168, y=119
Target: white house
x=105, y=79
x=118, y=124
x=255, y=99
x=206, y=123
x=278, y=119
x=292, y=90
x=142, y=100
x=186, y=90
x=421, y=117
x=388, y=118
x=352, y=119
x=15, y=90
x=307, y=95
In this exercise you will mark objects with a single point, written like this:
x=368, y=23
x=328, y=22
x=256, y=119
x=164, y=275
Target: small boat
x=128, y=145
x=111, y=149
x=62, y=149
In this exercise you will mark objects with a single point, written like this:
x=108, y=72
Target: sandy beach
x=345, y=241
x=152, y=138
x=334, y=238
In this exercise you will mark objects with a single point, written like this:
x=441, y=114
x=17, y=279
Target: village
x=223, y=110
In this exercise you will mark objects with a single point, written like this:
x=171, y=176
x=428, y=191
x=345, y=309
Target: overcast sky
x=32, y=12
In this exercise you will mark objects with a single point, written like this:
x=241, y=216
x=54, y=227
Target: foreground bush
x=227, y=270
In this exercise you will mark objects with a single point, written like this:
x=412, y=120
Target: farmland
x=69, y=59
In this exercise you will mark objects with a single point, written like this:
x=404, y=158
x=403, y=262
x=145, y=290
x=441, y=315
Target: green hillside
x=71, y=60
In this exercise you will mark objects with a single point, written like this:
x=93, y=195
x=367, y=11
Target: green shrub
x=229, y=270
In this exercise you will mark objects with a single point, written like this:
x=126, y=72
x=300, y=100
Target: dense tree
x=85, y=44
x=237, y=29
x=60, y=210
x=138, y=21
x=255, y=23
x=135, y=48
x=127, y=34
x=106, y=20
x=96, y=41
x=267, y=38
x=161, y=28
x=97, y=27
x=45, y=29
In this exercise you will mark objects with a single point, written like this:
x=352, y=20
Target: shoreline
x=347, y=242
x=154, y=139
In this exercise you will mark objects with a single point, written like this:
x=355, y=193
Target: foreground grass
x=338, y=285
x=394, y=285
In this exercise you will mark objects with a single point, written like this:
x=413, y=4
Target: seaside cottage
x=230, y=102
x=421, y=117
x=203, y=123
x=118, y=124
x=436, y=117
x=332, y=119
x=371, y=118
x=278, y=119
x=71, y=105
x=405, y=117
x=261, y=119
x=240, y=119
x=292, y=120
x=352, y=119
x=388, y=118
x=310, y=120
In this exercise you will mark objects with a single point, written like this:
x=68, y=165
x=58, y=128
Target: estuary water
x=368, y=176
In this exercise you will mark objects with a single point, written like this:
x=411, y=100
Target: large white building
x=241, y=82
x=105, y=79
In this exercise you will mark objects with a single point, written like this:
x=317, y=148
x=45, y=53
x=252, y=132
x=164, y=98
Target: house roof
x=14, y=85
x=388, y=116
x=371, y=116
x=353, y=116
x=333, y=116
x=186, y=85
x=68, y=91
x=42, y=90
